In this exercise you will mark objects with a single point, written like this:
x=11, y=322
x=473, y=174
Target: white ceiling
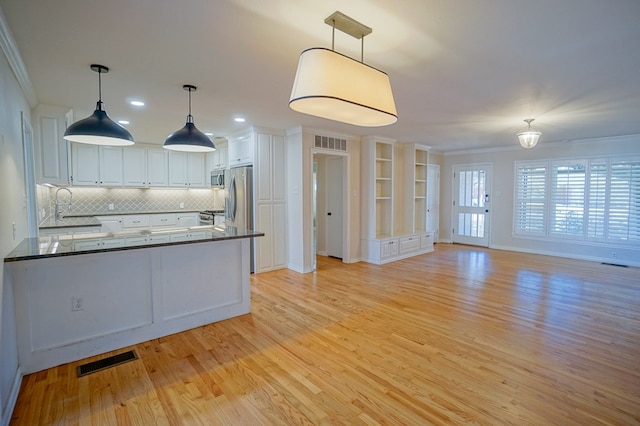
x=465, y=73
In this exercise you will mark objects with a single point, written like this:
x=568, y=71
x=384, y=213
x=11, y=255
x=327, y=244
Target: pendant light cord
x=189, y=116
x=99, y=105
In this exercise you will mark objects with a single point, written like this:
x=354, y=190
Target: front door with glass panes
x=471, y=204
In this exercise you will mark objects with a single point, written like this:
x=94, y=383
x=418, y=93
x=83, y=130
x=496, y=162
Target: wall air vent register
x=326, y=142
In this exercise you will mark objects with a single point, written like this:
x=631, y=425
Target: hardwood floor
x=462, y=335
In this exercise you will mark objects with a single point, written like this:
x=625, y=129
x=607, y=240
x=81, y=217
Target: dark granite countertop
x=70, y=245
x=69, y=222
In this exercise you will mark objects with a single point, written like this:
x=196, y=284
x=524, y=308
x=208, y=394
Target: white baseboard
x=567, y=255
x=7, y=410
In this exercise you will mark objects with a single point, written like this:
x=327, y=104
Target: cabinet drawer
x=409, y=244
x=136, y=221
x=163, y=220
x=426, y=240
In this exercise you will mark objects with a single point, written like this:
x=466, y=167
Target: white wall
x=12, y=210
x=501, y=234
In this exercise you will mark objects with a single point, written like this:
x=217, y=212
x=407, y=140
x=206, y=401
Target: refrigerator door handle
x=232, y=199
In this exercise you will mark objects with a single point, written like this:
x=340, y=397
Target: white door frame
x=484, y=209
x=346, y=207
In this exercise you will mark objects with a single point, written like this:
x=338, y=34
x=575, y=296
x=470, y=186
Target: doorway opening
x=329, y=206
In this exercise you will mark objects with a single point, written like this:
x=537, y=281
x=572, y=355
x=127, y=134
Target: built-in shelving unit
x=394, y=200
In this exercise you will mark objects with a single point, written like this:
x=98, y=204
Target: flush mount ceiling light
x=528, y=138
x=189, y=138
x=98, y=128
x=334, y=86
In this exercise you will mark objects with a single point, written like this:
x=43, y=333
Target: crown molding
x=10, y=49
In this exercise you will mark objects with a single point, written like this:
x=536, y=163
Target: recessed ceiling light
x=137, y=103
x=208, y=133
x=123, y=122
x=239, y=119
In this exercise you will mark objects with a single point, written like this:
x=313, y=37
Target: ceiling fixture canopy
x=334, y=86
x=98, y=128
x=189, y=138
x=528, y=138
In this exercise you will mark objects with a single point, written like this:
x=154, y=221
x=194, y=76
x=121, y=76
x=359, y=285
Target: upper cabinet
x=186, y=169
x=218, y=159
x=51, y=150
x=137, y=166
x=241, y=150
x=96, y=165
x=145, y=167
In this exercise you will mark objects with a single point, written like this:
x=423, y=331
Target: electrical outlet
x=182, y=205
x=614, y=254
x=77, y=304
x=111, y=206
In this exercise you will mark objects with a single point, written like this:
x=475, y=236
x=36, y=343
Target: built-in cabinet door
x=110, y=166
x=263, y=168
x=51, y=150
x=158, y=167
x=195, y=170
x=86, y=165
x=134, y=166
x=186, y=169
x=178, y=169
x=241, y=151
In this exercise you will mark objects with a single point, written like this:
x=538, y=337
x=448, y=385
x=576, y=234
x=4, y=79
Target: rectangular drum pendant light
x=333, y=86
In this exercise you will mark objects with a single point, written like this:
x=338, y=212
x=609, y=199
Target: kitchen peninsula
x=82, y=295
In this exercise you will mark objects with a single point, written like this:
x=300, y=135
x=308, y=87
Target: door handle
x=486, y=211
x=329, y=214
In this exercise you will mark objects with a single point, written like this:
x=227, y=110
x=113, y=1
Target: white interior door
x=471, y=204
x=335, y=210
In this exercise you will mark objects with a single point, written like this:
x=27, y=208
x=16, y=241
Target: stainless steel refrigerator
x=239, y=201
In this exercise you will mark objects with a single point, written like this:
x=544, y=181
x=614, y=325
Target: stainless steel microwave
x=217, y=179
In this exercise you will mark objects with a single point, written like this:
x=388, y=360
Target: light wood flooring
x=462, y=335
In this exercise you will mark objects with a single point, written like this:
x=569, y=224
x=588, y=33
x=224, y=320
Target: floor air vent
x=102, y=364
x=327, y=142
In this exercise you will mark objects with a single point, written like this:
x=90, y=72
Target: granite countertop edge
x=30, y=248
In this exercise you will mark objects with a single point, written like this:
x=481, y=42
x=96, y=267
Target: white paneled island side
x=75, y=300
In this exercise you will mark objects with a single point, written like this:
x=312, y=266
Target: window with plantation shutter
x=596, y=200
x=624, y=201
x=530, y=198
x=567, y=198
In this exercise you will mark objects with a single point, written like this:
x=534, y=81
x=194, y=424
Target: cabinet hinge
x=454, y=203
x=453, y=231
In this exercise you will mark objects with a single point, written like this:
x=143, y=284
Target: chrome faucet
x=57, y=213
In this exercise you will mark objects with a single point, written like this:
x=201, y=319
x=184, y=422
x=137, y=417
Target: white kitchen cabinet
x=218, y=159
x=163, y=220
x=51, y=151
x=136, y=221
x=96, y=165
x=71, y=230
x=110, y=223
x=110, y=166
x=135, y=241
x=186, y=169
x=270, y=212
x=159, y=239
x=97, y=244
x=134, y=162
x=184, y=220
x=241, y=150
x=86, y=164
x=157, y=167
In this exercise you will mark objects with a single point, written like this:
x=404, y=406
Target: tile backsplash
x=95, y=201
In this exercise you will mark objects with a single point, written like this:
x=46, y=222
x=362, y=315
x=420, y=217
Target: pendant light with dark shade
x=98, y=128
x=189, y=138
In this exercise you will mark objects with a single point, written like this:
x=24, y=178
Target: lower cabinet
x=380, y=251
